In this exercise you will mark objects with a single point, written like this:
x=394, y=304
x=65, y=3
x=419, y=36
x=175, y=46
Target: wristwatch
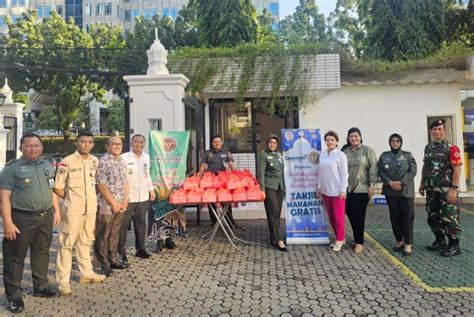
x=455, y=187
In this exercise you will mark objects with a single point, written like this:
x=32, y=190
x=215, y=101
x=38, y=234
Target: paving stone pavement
x=306, y=281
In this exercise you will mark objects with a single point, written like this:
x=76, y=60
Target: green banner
x=168, y=155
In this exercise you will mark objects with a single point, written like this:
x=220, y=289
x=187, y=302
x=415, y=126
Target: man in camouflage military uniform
x=440, y=179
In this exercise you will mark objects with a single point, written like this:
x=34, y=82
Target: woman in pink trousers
x=332, y=185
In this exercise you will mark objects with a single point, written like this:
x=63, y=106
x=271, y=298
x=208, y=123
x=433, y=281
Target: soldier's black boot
x=453, y=249
x=438, y=245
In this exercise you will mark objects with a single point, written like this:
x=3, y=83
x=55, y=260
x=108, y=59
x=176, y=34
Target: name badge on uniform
x=51, y=182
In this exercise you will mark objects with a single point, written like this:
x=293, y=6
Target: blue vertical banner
x=305, y=219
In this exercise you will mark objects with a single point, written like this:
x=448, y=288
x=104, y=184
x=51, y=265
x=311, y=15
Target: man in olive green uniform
x=75, y=182
x=29, y=209
x=440, y=178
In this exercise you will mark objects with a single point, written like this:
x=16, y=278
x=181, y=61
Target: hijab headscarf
x=395, y=136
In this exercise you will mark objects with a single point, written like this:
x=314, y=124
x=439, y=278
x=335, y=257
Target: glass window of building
x=134, y=1
x=154, y=11
x=108, y=8
x=234, y=124
x=166, y=12
x=14, y=3
x=147, y=13
x=22, y=3
x=59, y=9
x=127, y=15
x=126, y=1
x=2, y=20
x=88, y=9
x=274, y=9
x=14, y=18
x=174, y=13
x=3, y=3
x=135, y=13
x=40, y=11
x=47, y=11
x=100, y=9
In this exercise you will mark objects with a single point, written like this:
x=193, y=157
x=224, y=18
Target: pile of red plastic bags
x=234, y=186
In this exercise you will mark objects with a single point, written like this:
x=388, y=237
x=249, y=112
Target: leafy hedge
x=54, y=144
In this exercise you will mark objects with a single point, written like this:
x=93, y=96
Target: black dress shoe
x=107, y=271
x=143, y=254
x=451, y=250
x=283, y=249
x=48, y=292
x=169, y=244
x=16, y=306
x=123, y=258
x=398, y=249
x=438, y=245
x=119, y=266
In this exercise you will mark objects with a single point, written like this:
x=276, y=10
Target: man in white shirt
x=141, y=193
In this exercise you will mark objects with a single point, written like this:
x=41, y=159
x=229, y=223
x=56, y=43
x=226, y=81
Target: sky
x=287, y=7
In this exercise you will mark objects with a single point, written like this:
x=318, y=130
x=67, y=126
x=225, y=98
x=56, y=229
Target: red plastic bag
x=191, y=182
x=255, y=194
x=209, y=195
x=248, y=181
x=234, y=182
x=239, y=195
x=194, y=196
x=224, y=195
x=207, y=180
x=178, y=197
x=220, y=181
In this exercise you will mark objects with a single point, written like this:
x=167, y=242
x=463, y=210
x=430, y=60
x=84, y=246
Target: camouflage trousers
x=443, y=218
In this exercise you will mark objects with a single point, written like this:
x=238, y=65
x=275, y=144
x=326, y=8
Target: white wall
x=382, y=110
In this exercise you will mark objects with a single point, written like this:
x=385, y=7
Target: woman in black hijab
x=397, y=170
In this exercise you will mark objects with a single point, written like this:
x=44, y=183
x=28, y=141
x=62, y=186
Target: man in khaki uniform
x=75, y=182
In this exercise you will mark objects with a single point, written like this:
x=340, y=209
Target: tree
x=226, y=23
x=304, y=26
x=265, y=27
x=57, y=59
x=115, y=118
x=186, y=33
x=400, y=30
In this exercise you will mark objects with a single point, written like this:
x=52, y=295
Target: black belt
x=34, y=213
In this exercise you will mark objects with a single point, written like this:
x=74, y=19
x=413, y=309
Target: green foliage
x=226, y=23
x=306, y=25
x=55, y=145
x=400, y=30
x=265, y=31
x=116, y=116
x=49, y=56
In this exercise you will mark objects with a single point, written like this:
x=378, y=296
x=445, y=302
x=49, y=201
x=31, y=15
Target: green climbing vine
x=274, y=73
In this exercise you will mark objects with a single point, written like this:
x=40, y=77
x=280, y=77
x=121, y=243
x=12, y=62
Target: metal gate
x=10, y=123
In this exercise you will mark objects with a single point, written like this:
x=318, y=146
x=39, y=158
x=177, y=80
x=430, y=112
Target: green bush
x=54, y=144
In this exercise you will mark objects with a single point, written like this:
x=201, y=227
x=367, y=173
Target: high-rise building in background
x=116, y=12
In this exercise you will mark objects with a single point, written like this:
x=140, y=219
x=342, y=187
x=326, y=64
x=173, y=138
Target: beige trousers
x=76, y=230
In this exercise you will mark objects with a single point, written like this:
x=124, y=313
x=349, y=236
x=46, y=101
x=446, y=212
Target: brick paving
x=308, y=280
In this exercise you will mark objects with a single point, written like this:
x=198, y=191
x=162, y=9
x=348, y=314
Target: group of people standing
x=30, y=187
x=346, y=180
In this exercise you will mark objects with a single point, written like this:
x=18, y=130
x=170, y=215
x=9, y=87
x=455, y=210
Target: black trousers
x=356, y=208
x=402, y=215
x=273, y=202
x=228, y=215
x=36, y=234
x=136, y=212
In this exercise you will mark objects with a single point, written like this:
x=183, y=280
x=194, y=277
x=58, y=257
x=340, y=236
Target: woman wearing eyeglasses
x=397, y=170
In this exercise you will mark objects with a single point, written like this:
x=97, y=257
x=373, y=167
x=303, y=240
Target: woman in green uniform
x=397, y=170
x=270, y=168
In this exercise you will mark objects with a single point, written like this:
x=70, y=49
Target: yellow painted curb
x=412, y=275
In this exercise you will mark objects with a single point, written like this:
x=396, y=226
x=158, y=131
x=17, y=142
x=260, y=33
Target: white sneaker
x=338, y=246
x=94, y=278
x=65, y=290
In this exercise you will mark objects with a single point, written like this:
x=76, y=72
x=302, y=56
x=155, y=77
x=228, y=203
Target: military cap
x=437, y=123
